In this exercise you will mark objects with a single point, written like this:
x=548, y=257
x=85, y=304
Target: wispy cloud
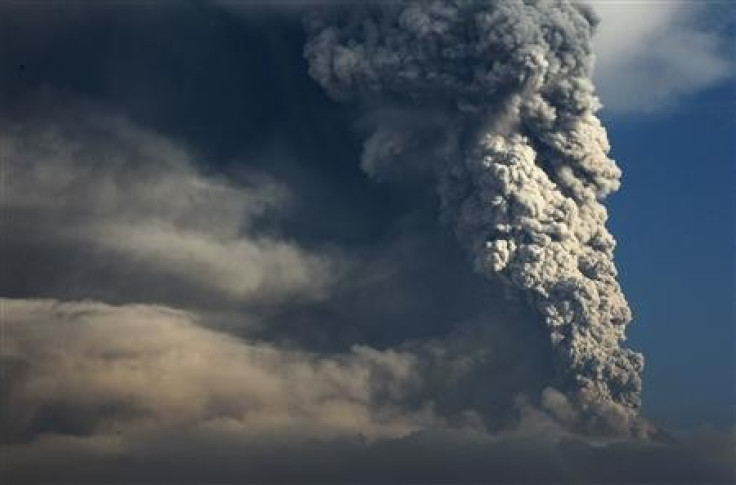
x=136, y=204
x=652, y=54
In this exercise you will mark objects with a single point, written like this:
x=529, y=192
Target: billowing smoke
x=496, y=99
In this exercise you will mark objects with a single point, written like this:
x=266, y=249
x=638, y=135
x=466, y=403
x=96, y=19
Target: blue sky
x=674, y=220
x=665, y=75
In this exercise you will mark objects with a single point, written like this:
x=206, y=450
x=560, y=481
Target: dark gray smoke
x=496, y=99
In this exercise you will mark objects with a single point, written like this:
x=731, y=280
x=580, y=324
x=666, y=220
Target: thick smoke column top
x=524, y=167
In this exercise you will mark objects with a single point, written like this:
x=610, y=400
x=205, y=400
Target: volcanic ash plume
x=521, y=162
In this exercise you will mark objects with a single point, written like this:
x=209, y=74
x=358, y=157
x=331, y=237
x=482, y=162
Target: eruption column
x=522, y=167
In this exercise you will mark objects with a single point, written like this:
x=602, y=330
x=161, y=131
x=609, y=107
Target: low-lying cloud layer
x=144, y=393
x=140, y=367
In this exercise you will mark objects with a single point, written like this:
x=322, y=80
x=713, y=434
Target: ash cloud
x=200, y=285
x=522, y=167
x=121, y=215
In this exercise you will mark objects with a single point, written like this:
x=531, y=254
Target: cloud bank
x=138, y=367
x=130, y=393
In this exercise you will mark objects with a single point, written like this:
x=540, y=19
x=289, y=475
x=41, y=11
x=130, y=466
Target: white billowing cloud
x=650, y=54
x=92, y=369
x=135, y=200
